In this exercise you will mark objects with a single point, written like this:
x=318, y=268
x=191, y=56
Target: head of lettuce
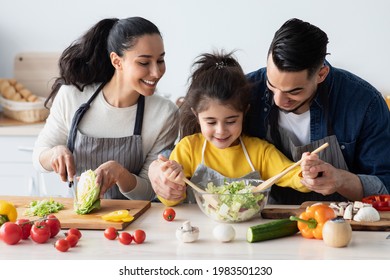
x=87, y=193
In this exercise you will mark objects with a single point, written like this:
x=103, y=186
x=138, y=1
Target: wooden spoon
x=268, y=183
x=192, y=185
x=188, y=182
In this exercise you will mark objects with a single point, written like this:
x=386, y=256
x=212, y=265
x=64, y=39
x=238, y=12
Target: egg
x=224, y=233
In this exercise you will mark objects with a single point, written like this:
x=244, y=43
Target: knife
x=72, y=187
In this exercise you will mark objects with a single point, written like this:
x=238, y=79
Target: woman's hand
x=108, y=174
x=163, y=186
x=62, y=162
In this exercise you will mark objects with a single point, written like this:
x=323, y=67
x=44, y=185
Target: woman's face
x=221, y=124
x=143, y=66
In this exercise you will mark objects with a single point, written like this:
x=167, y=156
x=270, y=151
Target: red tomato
x=40, y=232
x=54, y=224
x=169, y=214
x=62, y=245
x=75, y=231
x=111, y=233
x=11, y=233
x=25, y=225
x=125, y=238
x=72, y=239
x=139, y=236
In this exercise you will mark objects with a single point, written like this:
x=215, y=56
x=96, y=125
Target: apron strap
x=140, y=115
x=246, y=155
x=78, y=116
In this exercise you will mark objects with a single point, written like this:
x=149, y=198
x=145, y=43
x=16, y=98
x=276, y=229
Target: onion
x=337, y=233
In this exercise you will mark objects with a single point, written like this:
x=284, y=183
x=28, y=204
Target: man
x=299, y=102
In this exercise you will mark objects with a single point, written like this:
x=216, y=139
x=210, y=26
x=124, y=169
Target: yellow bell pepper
x=8, y=212
x=118, y=216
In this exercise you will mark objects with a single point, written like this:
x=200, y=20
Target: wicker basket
x=28, y=112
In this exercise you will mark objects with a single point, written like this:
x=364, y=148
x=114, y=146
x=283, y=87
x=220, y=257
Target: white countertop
x=161, y=243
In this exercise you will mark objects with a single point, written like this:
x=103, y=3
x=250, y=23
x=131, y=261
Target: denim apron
x=90, y=152
x=204, y=174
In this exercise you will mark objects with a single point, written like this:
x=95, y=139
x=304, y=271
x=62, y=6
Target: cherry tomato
x=75, y=231
x=169, y=214
x=40, y=232
x=125, y=238
x=139, y=236
x=11, y=233
x=72, y=239
x=54, y=224
x=25, y=225
x=111, y=233
x=62, y=245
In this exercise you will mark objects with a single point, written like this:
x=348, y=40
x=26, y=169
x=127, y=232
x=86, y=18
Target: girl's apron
x=90, y=152
x=332, y=154
x=205, y=174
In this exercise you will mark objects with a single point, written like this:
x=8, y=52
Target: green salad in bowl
x=231, y=201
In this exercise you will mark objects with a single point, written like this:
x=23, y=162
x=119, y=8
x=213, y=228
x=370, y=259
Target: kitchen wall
x=359, y=31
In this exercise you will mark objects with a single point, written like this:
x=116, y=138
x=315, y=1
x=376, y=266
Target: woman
x=103, y=113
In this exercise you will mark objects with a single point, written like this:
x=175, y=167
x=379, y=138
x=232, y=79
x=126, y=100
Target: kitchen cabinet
x=19, y=177
x=17, y=174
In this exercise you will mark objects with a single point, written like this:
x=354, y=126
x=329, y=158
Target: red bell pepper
x=379, y=202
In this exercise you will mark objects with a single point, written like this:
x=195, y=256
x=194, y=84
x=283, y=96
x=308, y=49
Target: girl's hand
x=62, y=162
x=162, y=186
x=173, y=171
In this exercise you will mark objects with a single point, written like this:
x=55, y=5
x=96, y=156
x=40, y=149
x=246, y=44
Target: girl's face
x=221, y=124
x=142, y=67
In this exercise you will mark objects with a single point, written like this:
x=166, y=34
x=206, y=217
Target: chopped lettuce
x=43, y=208
x=87, y=193
x=236, y=201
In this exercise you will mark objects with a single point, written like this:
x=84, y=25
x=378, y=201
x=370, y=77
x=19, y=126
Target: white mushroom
x=367, y=214
x=187, y=233
x=338, y=210
x=348, y=212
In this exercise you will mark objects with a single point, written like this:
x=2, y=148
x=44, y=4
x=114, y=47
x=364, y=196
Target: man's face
x=293, y=91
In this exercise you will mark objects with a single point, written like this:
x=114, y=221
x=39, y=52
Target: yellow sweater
x=231, y=162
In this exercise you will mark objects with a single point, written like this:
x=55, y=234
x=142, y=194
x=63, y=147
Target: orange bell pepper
x=311, y=221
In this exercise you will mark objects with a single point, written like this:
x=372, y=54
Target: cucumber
x=271, y=230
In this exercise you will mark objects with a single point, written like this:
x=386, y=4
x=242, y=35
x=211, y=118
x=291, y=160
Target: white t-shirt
x=297, y=125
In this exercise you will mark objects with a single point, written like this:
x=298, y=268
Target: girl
x=211, y=120
x=104, y=114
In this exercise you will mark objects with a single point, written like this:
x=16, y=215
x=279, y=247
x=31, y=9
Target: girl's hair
x=297, y=46
x=87, y=60
x=219, y=77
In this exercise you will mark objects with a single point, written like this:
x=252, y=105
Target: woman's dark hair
x=219, y=77
x=87, y=60
x=298, y=46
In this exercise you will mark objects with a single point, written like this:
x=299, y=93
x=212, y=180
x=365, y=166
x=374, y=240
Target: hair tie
x=220, y=65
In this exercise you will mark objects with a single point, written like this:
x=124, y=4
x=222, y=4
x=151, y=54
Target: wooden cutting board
x=282, y=213
x=93, y=220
